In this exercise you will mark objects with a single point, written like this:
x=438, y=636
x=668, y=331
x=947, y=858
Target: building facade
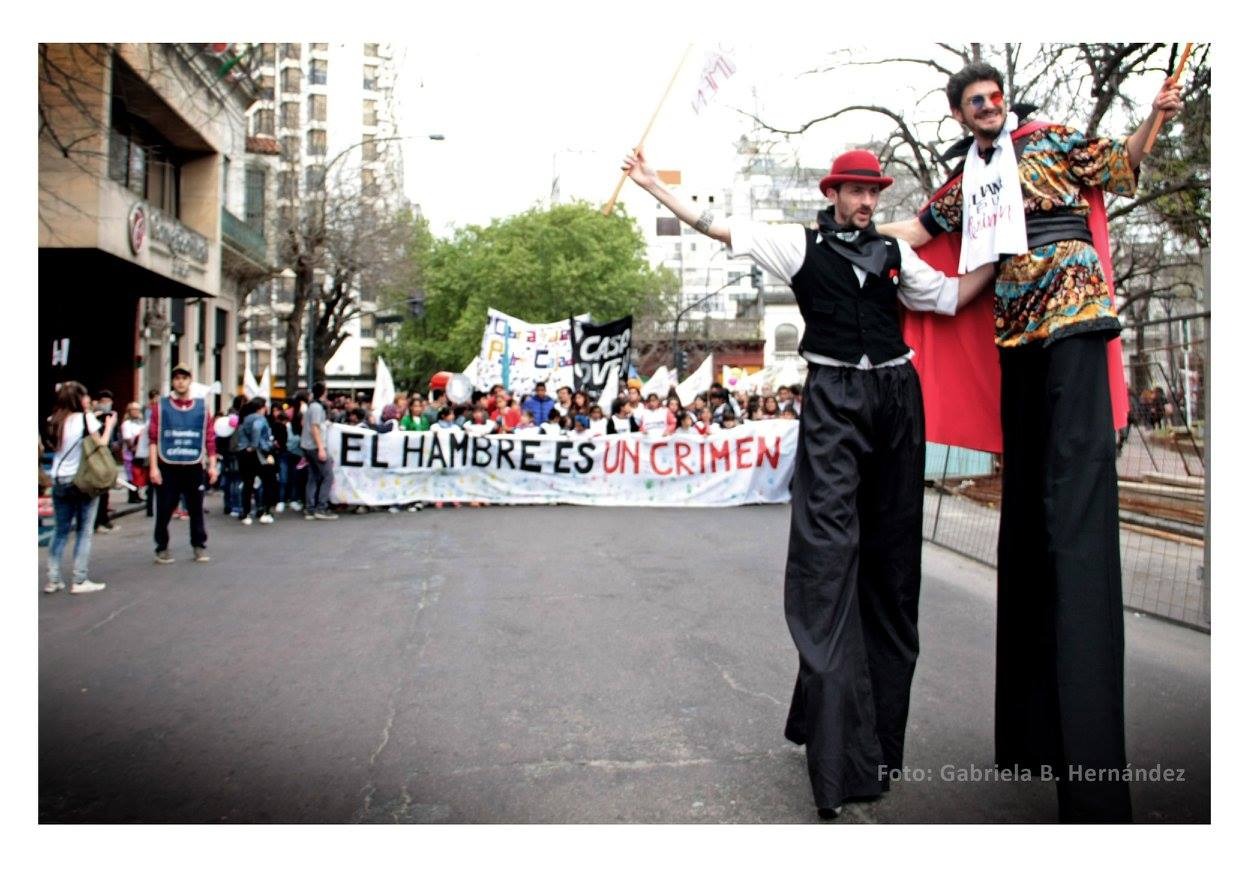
x=135, y=174
x=329, y=109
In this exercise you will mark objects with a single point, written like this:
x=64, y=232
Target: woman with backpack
x=69, y=426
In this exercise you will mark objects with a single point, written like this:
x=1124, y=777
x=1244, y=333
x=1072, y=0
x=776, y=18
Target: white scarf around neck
x=994, y=219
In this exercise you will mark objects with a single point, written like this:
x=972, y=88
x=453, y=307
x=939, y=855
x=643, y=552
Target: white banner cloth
x=751, y=463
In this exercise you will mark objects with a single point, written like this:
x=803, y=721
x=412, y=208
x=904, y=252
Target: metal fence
x=1163, y=479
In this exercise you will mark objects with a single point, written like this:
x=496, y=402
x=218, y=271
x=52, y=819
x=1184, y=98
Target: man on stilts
x=1028, y=200
x=853, y=570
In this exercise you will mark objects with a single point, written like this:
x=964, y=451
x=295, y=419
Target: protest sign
x=529, y=353
x=600, y=354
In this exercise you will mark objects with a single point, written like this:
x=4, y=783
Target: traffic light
x=757, y=277
x=683, y=363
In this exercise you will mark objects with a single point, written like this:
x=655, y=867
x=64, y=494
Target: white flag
x=472, y=370
x=251, y=388
x=383, y=393
x=264, y=384
x=658, y=384
x=200, y=390
x=698, y=382
x=716, y=69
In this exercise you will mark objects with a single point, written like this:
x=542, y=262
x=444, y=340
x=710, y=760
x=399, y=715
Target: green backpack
x=97, y=468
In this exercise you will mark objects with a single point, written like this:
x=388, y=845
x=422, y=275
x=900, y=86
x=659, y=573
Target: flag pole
x=1156, y=125
x=606, y=210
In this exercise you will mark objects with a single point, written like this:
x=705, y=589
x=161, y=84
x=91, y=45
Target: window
x=255, y=198
x=316, y=142
x=370, y=149
x=318, y=72
x=266, y=87
x=371, y=49
x=368, y=362
x=292, y=51
x=368, y=113
x=291, y=81
x=366, y=326
x=318, y=107
x=786, y=339
x=290, y=114
x=287, y=218
x=370, y=77
x=264, y=122
x=314, y=178
x=268, y=53
x=368, y=183
x=140, y=159
x=670, y=226
x=288, y=185
x=318, y=46
x=290, y=147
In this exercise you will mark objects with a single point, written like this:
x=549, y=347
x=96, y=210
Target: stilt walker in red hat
x=853, y=570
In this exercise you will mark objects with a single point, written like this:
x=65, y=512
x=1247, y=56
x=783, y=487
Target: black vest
x=842, y=320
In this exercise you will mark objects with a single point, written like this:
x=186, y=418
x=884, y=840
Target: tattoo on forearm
x=704, y=221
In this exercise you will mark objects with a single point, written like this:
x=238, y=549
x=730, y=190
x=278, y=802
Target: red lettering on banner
x=744, y=452
x=683, y=452
x=772, y=457
x=631, y=450
x=654, y=463
x=611, y=457
x=719, y=453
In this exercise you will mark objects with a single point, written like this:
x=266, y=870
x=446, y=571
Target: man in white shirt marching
x=853, y=569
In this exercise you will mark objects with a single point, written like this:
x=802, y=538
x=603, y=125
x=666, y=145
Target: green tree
x=541, y=265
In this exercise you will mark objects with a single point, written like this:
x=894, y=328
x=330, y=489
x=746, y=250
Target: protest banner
x=751, y=463
x=527, y=353
x=600, y=354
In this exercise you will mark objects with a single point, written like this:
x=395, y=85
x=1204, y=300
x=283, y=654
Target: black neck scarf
x=863, y=247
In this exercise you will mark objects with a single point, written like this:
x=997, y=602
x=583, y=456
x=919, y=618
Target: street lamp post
x=676, y=325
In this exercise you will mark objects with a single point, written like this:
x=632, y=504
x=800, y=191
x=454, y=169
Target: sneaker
x=414, y=507
x=309, y=516
x=105, y=528
x=326, y=516
x=163, y=557
x=295, y=506
x=200, y=555
x=180, y=515
x=393, y=509
x=266, y=518
x=279, y=507
x=247, y=520
x=361, y=510
x=54, y=587
x=87, y=586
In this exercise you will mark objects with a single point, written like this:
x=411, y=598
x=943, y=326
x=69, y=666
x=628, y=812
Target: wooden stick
x=606, y=210
x=1156, y=125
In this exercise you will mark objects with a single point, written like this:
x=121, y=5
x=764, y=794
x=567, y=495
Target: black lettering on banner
x=505, y=447
x=541, y=360
x=437, y=452
x=350, y=442
x=458, y=448
x=560, y=457
x=375, y=452
x=480, y=454
x=527, y=462
x=586, y=462
x=407, y=451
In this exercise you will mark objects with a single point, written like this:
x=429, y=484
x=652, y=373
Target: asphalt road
x=518, y=664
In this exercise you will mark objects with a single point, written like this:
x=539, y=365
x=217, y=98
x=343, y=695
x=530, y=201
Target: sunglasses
x=996, y=99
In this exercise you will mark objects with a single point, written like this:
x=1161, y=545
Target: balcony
x=244, y=246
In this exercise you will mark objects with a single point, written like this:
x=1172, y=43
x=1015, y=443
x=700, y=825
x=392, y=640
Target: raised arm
x=1168, y=100
x=645, y=176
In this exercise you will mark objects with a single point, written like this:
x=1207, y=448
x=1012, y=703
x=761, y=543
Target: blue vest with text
x=181, y=432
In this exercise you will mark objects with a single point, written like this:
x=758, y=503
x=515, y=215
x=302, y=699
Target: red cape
x=956, y=356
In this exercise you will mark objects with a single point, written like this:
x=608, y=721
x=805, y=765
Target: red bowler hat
x=857, y=165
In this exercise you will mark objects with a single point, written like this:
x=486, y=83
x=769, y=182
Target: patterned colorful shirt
x=1059, y=289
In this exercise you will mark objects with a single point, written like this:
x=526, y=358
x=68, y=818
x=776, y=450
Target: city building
x=330, y=110
x=140, y=259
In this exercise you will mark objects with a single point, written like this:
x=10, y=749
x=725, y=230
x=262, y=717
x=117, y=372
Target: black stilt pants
x=1059, y=640
x=853, y=574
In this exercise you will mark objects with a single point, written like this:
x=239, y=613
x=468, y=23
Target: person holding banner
x=853, y=568
x=1030, y=199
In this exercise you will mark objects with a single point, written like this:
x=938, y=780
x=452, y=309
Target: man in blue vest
x=181, y=441
x=853, y=568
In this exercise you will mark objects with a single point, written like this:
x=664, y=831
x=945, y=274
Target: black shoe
x=828, y=813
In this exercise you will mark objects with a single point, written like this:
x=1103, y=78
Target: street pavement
x=519, y=665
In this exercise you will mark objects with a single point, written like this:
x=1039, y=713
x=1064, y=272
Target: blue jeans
x=72, y=511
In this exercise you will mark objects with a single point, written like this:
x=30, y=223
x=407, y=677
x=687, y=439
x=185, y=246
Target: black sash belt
x=1049, y=227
